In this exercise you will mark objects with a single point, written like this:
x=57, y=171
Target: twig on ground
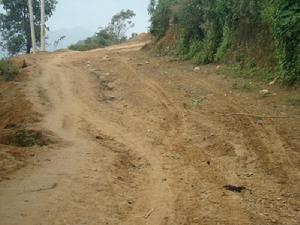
x=52, y=186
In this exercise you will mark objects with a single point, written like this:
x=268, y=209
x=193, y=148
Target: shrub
x=25, y=138
x=9, y=69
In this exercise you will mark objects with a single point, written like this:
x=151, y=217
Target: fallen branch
x=258, y=116
x=52, y=186
x=149, y=213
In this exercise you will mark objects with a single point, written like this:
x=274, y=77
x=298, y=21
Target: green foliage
x=161, y=16
x=284, y=18
x=8, y=69
x=196, y=102
x=234, y=31
x=101, y=39
x=25, y=138
x=236, y=70
x=14, y=23
x=225, y=44
x=114, y=32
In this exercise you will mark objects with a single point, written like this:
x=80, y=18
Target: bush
x=9, y=69
x=25, y=138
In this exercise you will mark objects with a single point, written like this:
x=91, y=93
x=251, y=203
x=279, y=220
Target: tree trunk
x=32, y=26
x=28, y=45
x=43, y=44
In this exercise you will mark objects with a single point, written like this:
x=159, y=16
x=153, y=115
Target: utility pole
x=43, y=30
x=32, y=26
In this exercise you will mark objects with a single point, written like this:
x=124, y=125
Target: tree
x=15, y=23
x=151, y=7
x=121, y=23
x=43, y=41
x=32, y=30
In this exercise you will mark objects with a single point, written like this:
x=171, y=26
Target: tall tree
x=43, y=30
x=15, y=23
x=32, y=30
x=121, y=23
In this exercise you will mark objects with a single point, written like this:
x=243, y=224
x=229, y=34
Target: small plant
x=196, y=102
x=294, y=100
x=9, y=69
x=25, y=138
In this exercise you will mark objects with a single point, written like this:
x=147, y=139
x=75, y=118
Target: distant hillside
x=73, y=35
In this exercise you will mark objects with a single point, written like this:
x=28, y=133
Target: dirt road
x=147, y=140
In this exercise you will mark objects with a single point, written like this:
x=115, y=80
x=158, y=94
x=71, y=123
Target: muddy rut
x=132, y=149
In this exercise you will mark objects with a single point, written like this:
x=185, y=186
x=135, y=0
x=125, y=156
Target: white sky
x=91, y=14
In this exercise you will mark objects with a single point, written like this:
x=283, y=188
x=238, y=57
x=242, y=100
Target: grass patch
x=294, y=100
x=9, y=69
x=236, y=70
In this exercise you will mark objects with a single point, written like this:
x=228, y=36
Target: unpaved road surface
x=147, y=140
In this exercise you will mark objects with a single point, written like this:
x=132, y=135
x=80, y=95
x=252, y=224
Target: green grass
x=235, y=70
x=9, y=69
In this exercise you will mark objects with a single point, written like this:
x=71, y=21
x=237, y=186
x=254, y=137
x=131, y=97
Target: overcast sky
x=91, y=14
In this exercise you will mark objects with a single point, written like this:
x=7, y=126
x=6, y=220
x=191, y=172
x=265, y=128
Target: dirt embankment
x=18, y=122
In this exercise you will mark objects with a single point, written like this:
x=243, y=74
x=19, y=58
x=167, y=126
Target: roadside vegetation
x=9, y=70
x=253, y=34
x=115, y=32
